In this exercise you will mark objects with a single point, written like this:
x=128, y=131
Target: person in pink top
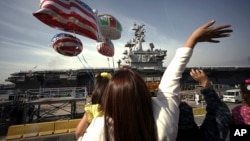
x=241, y=113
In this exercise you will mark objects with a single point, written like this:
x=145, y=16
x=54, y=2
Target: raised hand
x=201, y=77
x=207, y=33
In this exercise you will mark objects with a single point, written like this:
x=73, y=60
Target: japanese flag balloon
x=110, y=27
x=69, y=15
x=66, y=44
x=106, y=48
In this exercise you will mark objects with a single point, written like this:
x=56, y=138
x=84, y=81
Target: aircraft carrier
x=149, y=62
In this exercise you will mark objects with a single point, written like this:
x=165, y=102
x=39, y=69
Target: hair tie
x=105, y=75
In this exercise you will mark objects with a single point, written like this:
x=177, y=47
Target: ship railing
x=76, y=92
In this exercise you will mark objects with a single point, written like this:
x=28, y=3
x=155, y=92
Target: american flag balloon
x=66, y=44
x=69, y=15
x=106, y=48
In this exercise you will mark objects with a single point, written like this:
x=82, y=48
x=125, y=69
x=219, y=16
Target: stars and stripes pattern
x=69, y=15
x=67, y=44
x=106, y=48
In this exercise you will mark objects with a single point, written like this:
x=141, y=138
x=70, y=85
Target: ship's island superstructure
x=139, y=59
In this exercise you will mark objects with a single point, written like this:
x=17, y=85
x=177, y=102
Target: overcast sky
x=25, y=41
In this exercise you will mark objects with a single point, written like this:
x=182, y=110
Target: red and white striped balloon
x=67, y=44
x=106, y=48
x=69, y=15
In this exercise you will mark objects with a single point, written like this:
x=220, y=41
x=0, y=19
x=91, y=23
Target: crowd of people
x=123, y=109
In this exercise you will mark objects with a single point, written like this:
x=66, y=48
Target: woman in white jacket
x=131, y=114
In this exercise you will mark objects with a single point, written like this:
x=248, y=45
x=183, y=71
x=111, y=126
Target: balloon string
x=88, y=66
x=113, y=64
x=90, y=74
x=108, y=62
